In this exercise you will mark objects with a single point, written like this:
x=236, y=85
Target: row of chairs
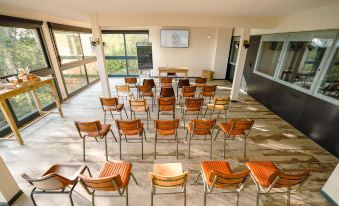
x=135, y=128
x=216, y=175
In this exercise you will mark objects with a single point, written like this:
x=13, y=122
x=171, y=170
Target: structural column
x=99, y=50
x=239, y=68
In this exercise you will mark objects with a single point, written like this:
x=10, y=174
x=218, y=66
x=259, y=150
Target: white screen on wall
x=174, y=38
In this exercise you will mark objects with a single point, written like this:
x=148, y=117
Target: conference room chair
x=166, y=128
x=192, y=106
x=131, y=81
x=166, y=104
x=58, y=179
x=140, y=106
x=113, y=176
x=124, y=91
x=110, y=105
x=200, y=127
x=208, y=92
x=200, y=82
x=146, y=92
x=93, y=130
x=181, y=83
x=186, y=92
x=233, y=128
x=132, y=128
x=220, y=104
x=150, y=83
x=218, y=175
x=168, y=176
x=267, y=176
x=167, y=92
x=166, y=81
x=172, y=75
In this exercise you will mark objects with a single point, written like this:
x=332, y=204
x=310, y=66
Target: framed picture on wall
x=174, y=38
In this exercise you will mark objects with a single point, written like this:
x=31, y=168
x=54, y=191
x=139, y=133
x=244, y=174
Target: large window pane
x=330, y=84
x=3, y=122
x=302, y=60
x=87, y=47
x=133, y=67
x=114, y=44
x=74, y=78
x=269, y=57
x=20, y=48
x=69, y=46
x=92, y=71
x=132, y=40
x=45, y=95
x=116, y=67
x=23, y=105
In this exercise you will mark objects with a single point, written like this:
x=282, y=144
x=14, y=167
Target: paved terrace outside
x=53, y=140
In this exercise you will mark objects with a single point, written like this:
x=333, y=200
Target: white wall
x=331, y=186
x=203, y=52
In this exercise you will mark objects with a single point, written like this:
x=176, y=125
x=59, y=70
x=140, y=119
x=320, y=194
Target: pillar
x=99, y=51
x=239, y=68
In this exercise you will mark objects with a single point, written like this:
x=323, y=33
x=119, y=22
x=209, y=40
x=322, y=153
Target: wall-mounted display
x=171, y=38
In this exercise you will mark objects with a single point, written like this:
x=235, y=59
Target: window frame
x=232, y=50
x=125, y=57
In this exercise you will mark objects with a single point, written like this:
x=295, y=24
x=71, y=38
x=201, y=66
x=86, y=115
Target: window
x=69, y=46
x=74, y=78
x=92, y=71
x=234, y=50
x=121, y=51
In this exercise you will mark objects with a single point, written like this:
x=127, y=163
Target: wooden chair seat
x=105, y=128
x=119, y=107
x=140, y=108
x=133, y=131
x=123, y=169
x=199, y=131
x=216, y=107
x=68, y=173
x=207, y=94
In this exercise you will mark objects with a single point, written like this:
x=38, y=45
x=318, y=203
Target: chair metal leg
x=245, y=147
x=127, y=195
x=120, y=115
x=152, y=198
x=84, y=148
x=105, y=117
x=70, y=194
x=114, y=136
x=120, y=145
x=126, y=113
x=155, y=145
x=288, y=196
x=237, y=200
x=158, y=112
x=131, y=114
x=93, y=199
x=211, y=146
x=147, y=120
x=32, y=198
x=183, y=116
x=216, y=135
x=218, y=114
x=112, y=114
x=205, y=198
x=224, y=145
x=145, y=136
x=177, y=140
x=199, y=175
x=106, y=148
x=186, y=135
x=185, y=196
x=205, y=112
x=135, y=180
x=142, y=147
x=189, y=146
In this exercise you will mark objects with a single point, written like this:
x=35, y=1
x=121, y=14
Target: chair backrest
x=87, y=127
x=221, y=101
x=240, y=126
x=149, y=82
x=183, y=82
x=202, y=126
x=224, y=180
x=122, y=88
x=194, y=104
x=131, y=80
x=167, y=92
x=128, y=124
x=144, y=89
x=201, y=80
x=47, y=182
x=189, y=89
x=101, y=184
x=166, y=124
x=166, y=103
x=209, y=88
x=109, y=102
x=136, y=104
x=168, y=182
x=167, y=80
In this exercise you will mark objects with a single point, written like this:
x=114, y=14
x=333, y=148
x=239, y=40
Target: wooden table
x=166, y=70
x=32, y=87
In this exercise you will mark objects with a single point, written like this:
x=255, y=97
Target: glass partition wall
x=305, y=61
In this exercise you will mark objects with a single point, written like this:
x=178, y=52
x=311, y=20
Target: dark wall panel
x=230, y=72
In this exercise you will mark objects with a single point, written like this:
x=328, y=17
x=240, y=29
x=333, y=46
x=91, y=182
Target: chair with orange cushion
x=113, y=176
x=112, y=105
x=219, y=104
x=166, y=104
x=218, y=174
x=200, y=82
x=186, y=92
x=93, y=130
x=233, y=128
x=131, y=128
x=208, y=91
x=165, y=128
x=166, y=81
x=168, y=176
x=146, y=92
x=56, y=180
x=200, y=127
x=192, y=105
x=131, y=81
x=167, y=92
x=181, y=83
x=140, y=106
x=267, y=176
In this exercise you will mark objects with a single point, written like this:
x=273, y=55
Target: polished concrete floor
x=53, y=140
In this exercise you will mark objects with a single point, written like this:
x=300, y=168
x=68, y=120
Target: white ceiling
x=81, y=9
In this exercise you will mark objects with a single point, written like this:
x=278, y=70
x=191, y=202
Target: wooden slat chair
x=186, y=92
x=131, y=81
x=112, y=105
x=181, y=83
x=131, y=128
x=219, y=104
x=233, y=128
x=218, y=174
x=267, y=176
x=167, y=92
x=124, y=91
x=140, y=106
x=146, y=92
x=166, y=128
x=93, y=130
x=208, y=92
x=169, y=176
x=200, y=82
x=166, y=81
x=113, y=176
x=192, y=105
x=200, y=127
x=56, y=180
x=166, y=104
x=150, y=83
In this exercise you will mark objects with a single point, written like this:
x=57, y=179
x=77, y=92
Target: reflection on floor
x=55, y=140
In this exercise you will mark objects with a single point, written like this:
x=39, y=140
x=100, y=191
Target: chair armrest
x=301, y=175
x=27, y=178
x=238, y=175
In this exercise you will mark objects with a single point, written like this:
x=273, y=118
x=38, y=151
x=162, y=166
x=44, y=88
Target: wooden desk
x=166, y=70
x=8, y=93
